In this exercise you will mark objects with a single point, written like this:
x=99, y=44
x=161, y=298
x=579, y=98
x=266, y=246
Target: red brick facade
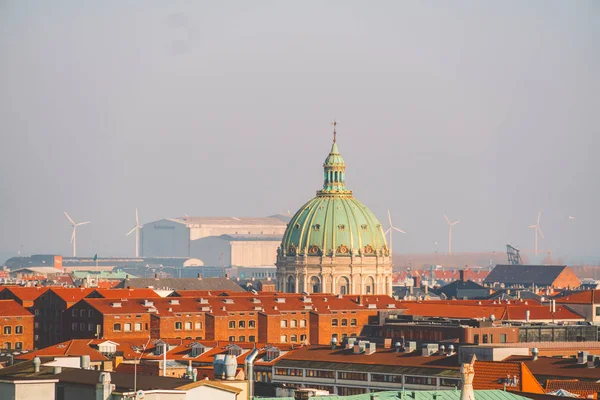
x=16, y=326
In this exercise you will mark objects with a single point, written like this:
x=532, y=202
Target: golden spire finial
x=334, y=123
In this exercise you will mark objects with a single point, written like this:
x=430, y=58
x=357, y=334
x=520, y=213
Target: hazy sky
x=485, y=110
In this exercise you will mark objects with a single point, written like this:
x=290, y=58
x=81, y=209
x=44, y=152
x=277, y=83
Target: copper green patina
x=334, y=222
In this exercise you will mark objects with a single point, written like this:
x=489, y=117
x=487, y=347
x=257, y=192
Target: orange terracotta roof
x=500, y=309
x=10, y=308
x=582, y=388
x=380, y=357
x=494, y=375
x=558, y=367
x=71, y=348
x=26, y=293
x=124, y=293
x=584, y=297
x=71, y=295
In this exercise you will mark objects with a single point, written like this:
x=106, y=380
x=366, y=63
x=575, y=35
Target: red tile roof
x=380, y=357
x=582, y=388
x=71, y=295
x=26, y=293
x=501, y=310
x=71, y=348
x=124, y=293
x=10, y=308
x=558, y=367
x=491, y=375
x=584, y=297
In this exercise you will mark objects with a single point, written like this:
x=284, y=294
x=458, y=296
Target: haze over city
x=472, y=109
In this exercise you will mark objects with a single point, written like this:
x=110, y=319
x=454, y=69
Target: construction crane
x=513, y=254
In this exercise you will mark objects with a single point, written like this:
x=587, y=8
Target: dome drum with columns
x=334, y=243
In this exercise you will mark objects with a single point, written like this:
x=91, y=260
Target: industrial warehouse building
x=216, y=241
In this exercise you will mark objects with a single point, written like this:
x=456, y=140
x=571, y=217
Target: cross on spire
x=334, y=123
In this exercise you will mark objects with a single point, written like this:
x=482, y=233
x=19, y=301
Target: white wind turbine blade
x=390, y=218
x=532, y=226
x=388, y=231
x=455, y=222
x=398, y=230
x=131, y=231
x=82, y=223
x=539, y=216
x=69, y=218
x=137, y=219
x=447, y=220
x=73, y=234
x=540, y=231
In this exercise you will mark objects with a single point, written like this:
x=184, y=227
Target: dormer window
x=342, y=227
x=364, y=227
x=317, y=227
x=272, y=354
x=234, y=350
x=197, y=349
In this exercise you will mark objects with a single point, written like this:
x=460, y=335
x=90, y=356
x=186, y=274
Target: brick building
x=16, y=326
x=25, y=296
x=243, y=317
x=48, y=309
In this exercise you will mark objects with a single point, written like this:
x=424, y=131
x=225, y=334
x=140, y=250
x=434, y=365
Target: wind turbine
x=74, y=235
x=450, y=225
x=136, y=228
x=537, y=228
x=391, y=230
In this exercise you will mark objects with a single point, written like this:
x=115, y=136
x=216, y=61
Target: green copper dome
x=334, y=222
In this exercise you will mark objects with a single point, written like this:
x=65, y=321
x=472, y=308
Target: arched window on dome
x=291, y=285
x=369, y=285
x=335, y=177
x=343, y=285
x=315, y=284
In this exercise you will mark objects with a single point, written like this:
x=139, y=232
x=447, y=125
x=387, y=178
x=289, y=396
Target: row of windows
x=242, y=338
x=344, y=322
x=242, y=324
x=293, y=338
x=8, y=330
x=187, y=325
x=293, y=323
x=82, y=313
x=489, y=339
x=8, y=346
x=137, y=327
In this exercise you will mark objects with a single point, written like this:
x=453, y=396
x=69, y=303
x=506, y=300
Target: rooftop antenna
x=74, y=234
x=450, y=225
x=391, y=229
x=537, y=229
x=136, y=228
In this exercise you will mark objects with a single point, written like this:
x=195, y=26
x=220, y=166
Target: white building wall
x=37, y=391
x=206, y=392
x=253, y=253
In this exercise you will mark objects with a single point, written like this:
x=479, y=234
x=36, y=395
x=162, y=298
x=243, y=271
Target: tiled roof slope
x=10, y=308
x=541, y=275
x=26, y=293
x=494, y=374
x=223, y=284
x=581, y=388
x=584, y=297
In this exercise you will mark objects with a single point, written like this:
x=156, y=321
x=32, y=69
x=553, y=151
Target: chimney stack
x=199, y=277
x=417, y=281
x=461, y=275
x=467, y=373
x=534, y=353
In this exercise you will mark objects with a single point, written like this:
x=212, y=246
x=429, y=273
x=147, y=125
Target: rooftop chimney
x=534, y=353
x=200, y=277
x=462, y=278
x=467, y=373
x=36, y=364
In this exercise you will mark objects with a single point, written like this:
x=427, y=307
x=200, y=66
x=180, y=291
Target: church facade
x=334, y=243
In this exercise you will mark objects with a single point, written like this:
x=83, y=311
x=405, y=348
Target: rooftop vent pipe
x=534, y=353
x=36, y=364
x=249, y=371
